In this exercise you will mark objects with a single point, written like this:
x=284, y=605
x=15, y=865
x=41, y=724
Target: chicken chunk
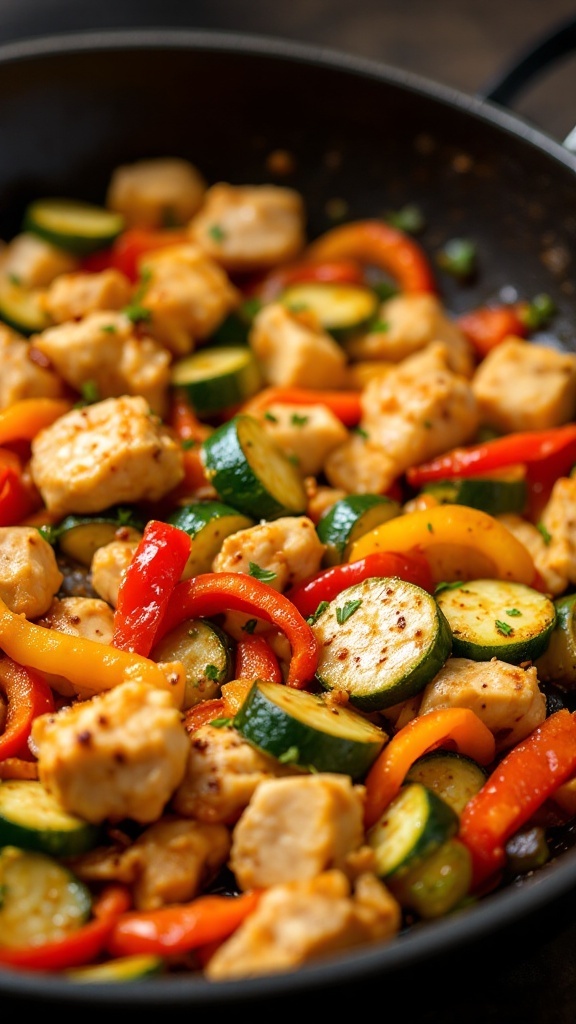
x=103, y=349
x=77, y=616
x=72, y=296
x=307, y=433
x=120, y=754
x=109, y=563
x=416, y=411
x=289, y=547
x=187, y=296
x=558, y=519
x=506, y=697
x=34, y=263
x=29, y=573
x=112, y=452
x=21, y=377
x=292, y=352
x=550, y=561
x=412, y=322
x=544, y=392
x=295, y=828
x=156, y=193
x=304, y=921
x=250, y=227
x=221, y=775
x=171, y=861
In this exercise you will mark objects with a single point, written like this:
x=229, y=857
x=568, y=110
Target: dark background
x=526, y=973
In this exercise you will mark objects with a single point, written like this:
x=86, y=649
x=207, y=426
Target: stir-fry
x=287, y=584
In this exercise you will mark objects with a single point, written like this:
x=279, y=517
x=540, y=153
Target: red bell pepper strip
x=444, y=727
x=178, y=929
x=255, y=659
x=28, y=696
x=327, y=584
x=18, y=499
x=156, y=567
x=79, y=947
x=203, y=713
x=346, y=405
x=190, y=431
x=212, y=593
x=378, y=243
x=525, y=447
x=269, y=287
x=488, y=326
x=525, y=777
x=126, y=251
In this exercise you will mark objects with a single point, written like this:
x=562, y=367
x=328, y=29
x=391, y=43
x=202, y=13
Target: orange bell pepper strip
x=79, y=947
x=18, y=768
x=328, y=583
x=488, y=326
x=346, y=405
x=255, y=659
x=380, y=244
x=525, y=777
x=272, y=284
x=87, y=664
x=232, y=696
x=532, y=446
x=459, y=543
x=22, y=420
x=156, y=567
x=180, y=928
x=190, y=431
x=215, y=592
x=28, y=695
x=445, y=727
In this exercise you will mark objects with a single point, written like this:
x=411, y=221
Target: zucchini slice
x=206, y=653
x=495, y=495
x=217, y=377
x=80, y=536
x=72, y=224
x=303, y=728
x=454, y=776
x=252, y=473
x=20, y=308
x=498, y=619
x=437, y=884
x=124, y=968
x=342, y=309
x=558, y=663
x=33, y=819
x=40, y=899
x=350, y=518
x=207, y=523
x=415, y=823
x=382, y=641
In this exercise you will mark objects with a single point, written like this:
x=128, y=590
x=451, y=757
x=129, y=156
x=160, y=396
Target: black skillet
x=371, y=137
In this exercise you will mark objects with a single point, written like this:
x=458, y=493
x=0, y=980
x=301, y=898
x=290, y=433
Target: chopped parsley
x=546, y=536
x=379, y=327
x=297, y=420
x=221, y=723
x=513, y=612
x=90, y=392
x=316, y=615
x=212, y=672
x=289, y=756
x=264, y=575
x=270, y=417
x=217, y=234
x=503, y=628
x=249, y=626
x=348, y=609
x=137, y=313
x=109, y=328
x=458, y=258
x=409, y=219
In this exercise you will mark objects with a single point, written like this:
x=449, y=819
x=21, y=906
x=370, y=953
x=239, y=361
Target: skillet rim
x=502, y=908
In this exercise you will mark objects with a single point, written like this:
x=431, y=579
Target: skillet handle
x=505, y=86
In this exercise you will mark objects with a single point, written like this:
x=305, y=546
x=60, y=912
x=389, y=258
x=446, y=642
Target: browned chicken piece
x=303, y=921
x=21, y=377
x=289, y=547
x=78, y=616
x=29, y=572
x=294, y=353
x=157, y=192
x=75, y=295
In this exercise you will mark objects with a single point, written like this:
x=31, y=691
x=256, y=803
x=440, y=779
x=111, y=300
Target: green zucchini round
x=20, y=308
x=342, y=309
x=73, y=225
x=558, y=662
x=454, y=776
x=206, y=653
x=218, y=377
x=302, y=728
x=42, y=900
x=495, y=495
x=207, y=523
x=80, y=536
x=350, y=518
x=31, y=818
x=414, y=824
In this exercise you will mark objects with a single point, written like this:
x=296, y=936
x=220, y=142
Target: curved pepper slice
x=346, y=405
x=22, y=420
x=528, y=774
x=443, y=727
x=255, y=659
x=88, y=664
x=28, y=696
x=459, y=543
x=378, y=243
x=214, y=592
x=272, y=284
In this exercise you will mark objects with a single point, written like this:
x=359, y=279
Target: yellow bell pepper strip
x=180, y=928
x=346, y=405
x=445, y=727
x=28, y=695
x=156, y=567
x=459, y=543
x=525, y=777
x=79, y=947
x=328, y=583
x=212, y=593
x=87, y=664
x=377, y=243
x=22, y=420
